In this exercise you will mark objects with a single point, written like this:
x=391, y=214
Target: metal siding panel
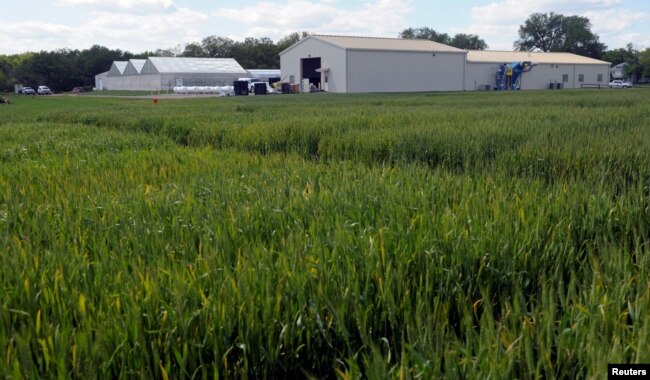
x=480, y=74
x=591, y=73
x=331, y=56
x=134, y=83
x=542, y=75
x=539, y=77
x=375, y=71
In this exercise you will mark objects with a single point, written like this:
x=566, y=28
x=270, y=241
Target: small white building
x=365, y=64
x=568, y=70
x=618, y=71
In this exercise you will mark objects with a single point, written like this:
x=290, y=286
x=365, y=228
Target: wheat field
x=406, y=236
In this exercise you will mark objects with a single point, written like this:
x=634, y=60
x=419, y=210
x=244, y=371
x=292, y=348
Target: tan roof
x=387, y=44
x=519, y=56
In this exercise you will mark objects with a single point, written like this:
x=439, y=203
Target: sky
x=140, y=25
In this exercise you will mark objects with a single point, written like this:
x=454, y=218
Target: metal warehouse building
x=165, y=73
x=364, y=64
x=566, y=69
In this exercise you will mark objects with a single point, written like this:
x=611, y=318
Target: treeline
x=65, y=69
x=61, y=70
x=637, y=61
x=460, y=40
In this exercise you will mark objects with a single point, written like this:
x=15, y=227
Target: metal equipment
x=509, y=75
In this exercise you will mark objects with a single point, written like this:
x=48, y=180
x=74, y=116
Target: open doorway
x=309, y=67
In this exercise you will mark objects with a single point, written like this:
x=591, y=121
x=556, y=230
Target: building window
x=292, y=79
x=565, y=78
x=600, y=77
x=581, y=77
x=326, y=78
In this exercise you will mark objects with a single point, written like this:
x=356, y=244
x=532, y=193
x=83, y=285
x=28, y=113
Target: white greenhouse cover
x=196, y=65
x=264, y=73
x=117, y=68
x=134, y=67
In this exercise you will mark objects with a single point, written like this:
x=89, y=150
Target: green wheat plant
x=409, y=236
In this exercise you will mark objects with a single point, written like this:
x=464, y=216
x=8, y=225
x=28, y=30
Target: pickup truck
x=251, y=84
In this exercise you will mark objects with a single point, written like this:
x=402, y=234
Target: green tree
x=425, y=33
x=617, y=56
x=460, y=40
x=468, y=42
x=218, y=47
x=6, y=71
x=290, y=39
x=579, y=39
x=56, y=69
x=257, y=53
x=541, y=31
x=552, y=32
x=634, y=68
x=194, y=50
x=95, y=60
x=644, y=60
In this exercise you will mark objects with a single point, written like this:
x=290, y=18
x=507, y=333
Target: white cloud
x=498, y=37
x=138, y=25
x=153, y=31
x=266, y=19
x=509, y=11
x=498, y=22
x=132, y=32
x=614, y=20
x=127, y=5
x=14, y=37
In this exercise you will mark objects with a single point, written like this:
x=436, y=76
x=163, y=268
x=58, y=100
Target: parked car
x=620, y=84
x=251, y=84
x=28, y=91
x=44, y=90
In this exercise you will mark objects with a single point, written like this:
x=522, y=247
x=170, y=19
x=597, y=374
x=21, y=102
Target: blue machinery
x=509, y=75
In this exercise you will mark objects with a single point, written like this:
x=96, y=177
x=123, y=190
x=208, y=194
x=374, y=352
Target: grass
x=333, y=236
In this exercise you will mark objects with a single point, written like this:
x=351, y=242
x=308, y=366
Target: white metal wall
x=331, y=56
x=379, y=71
x=134, y=83
x=168, y=81
x=540, y=76
x=101, y=81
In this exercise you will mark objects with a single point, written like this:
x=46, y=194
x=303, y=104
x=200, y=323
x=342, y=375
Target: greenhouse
x=165, y=73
